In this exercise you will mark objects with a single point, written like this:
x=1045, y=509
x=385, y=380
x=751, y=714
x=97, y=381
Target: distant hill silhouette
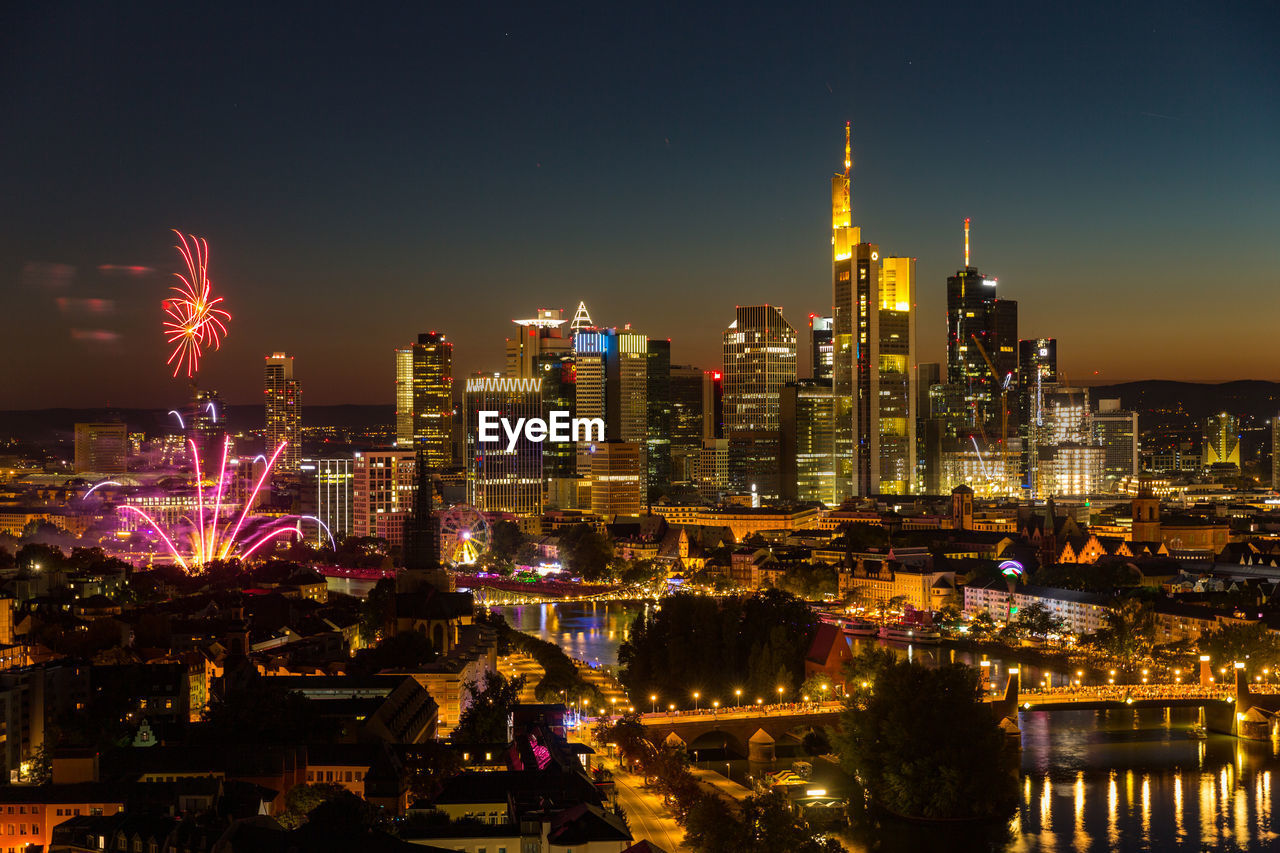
x=1162, y=398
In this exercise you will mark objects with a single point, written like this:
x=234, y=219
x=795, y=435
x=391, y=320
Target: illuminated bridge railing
x=745, y=712
x=1135, y=693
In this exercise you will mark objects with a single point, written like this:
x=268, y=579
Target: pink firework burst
x=194, y=319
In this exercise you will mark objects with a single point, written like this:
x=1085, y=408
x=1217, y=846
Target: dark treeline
x=715, y=646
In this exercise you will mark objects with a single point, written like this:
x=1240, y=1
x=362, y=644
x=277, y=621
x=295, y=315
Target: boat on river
x=900, y=633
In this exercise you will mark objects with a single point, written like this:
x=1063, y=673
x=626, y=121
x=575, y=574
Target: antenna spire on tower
x=966, y=242
x=848, y=156
x=581, y=319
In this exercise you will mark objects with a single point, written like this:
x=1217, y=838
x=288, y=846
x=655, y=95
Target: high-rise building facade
x=612, y=382
x=660, y=413
x=383, y=481
x=539, y=340
x=328, y=484
x=686, y=421
x=101, y=448
x=1221, y=441
x=808, y=442
x=981, y=327
x=616, y=479
x=501, y=479
x=873, y=358
x=283, y=397
x=433, y=399
x=1116, y=430
x=404, y=396
x=820, y=346
x=759, y=359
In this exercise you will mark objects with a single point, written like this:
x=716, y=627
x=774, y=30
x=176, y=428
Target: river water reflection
x=1090, y=780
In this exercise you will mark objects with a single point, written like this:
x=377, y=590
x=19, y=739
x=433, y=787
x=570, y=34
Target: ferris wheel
x=464, y=534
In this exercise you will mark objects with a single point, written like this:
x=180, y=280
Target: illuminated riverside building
x=283, y=398
x=498, y=479
x=873, y=359
x=101, y=448
x=979, y=321
x=383, y=482
x=808, y=442
x=616, y=478
x=1221, y=441
x=328, y=485
x=612, y=380
x=759, y=359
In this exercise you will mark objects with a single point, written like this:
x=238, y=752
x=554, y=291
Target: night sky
x=366, y=172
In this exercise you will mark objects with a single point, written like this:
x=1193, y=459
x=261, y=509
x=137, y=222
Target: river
x=1091, y=780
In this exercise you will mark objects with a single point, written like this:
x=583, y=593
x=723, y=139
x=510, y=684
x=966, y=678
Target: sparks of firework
x=194, y=319
x=211, y=532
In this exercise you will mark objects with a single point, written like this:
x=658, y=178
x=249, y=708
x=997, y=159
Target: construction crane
x=1003, y=384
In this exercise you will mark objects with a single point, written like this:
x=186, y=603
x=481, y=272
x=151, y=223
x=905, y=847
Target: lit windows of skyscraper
x=615, y=479
x=1117, y=431
x=1221, y=441
x=820, y=347
x=101, y=448
x=873, y=358
x=539, y=340
x=658, y=438
x=404, y=396
x=612, y=371
x=433, y=398
x=976, y=314
x=686, y=421
x=328, y=484
x=284, y=411
x=759, y=359
x=498, y=479
x=383, y=482
x=808, y=442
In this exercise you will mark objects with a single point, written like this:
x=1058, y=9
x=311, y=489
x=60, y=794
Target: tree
x=816, y=742
x=711, y=827
x=377, y=610
x=1130, y=630
x=505, y=540
x=1038, y=621
x=585, y=551
x=1234, y=642
x=303, y=798
x=983, y=625
x=947, y=758
x=488, y=705
x=407, y=650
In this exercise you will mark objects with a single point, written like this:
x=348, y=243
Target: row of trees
x=766, y=823
x=561, y=680
x=715, y=646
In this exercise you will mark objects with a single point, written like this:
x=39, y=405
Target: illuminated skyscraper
x=101, y=448
x=686, y=421
x=498, y=479
x=873, y=369
x=404, y=396
x=820, y=346
x=759, y=359
x=383, y=482
x=328, y=484
x=660, y=413
x=612, y=375
x=1221, y=441
x=284, y=411
x=1117, y=431
x=977, y=322
x=616, y=479
x=539, y=340
x=541, y=348
x=433, y=398
x=808, y=442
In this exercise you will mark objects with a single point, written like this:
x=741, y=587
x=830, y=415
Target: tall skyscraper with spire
x=979, y=322
x=873, y=355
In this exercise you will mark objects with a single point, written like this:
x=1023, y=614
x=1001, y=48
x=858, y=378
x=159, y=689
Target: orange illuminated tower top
x=966, y=242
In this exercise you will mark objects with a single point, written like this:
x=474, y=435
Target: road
x=646, y=813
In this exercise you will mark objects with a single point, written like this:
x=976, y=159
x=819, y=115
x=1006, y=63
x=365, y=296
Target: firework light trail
x=208, y=535
x=195, y=320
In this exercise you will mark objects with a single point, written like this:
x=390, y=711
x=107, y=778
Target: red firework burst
x=195, y=320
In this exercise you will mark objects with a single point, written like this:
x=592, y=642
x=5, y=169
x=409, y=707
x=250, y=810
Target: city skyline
x=717, y=186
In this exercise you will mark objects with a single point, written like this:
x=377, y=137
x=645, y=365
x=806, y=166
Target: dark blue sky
x=367, y=172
